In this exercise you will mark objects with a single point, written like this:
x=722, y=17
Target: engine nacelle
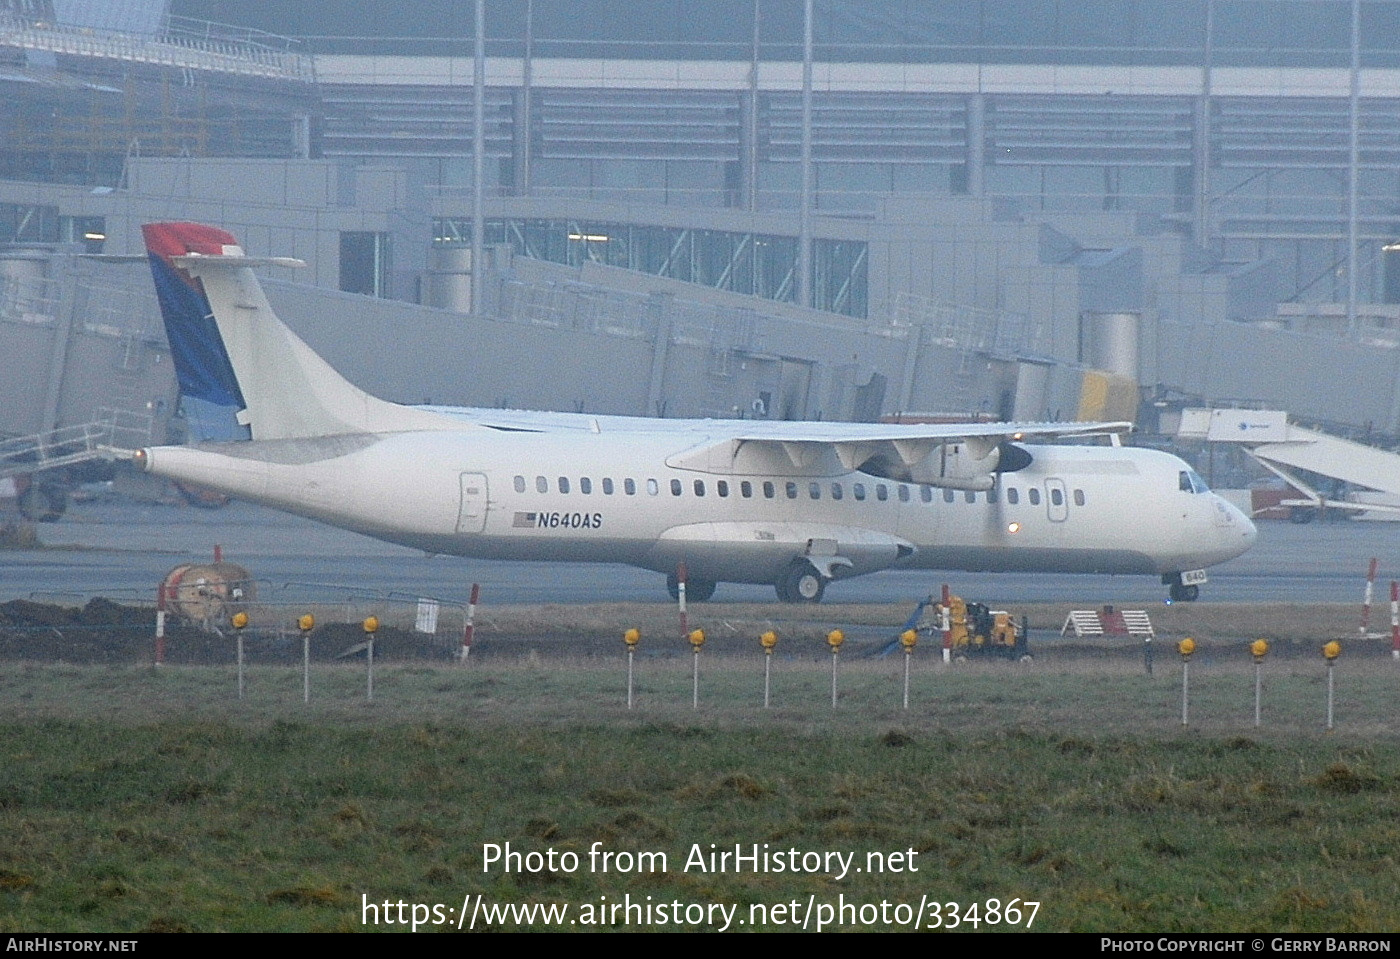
x=965, y=464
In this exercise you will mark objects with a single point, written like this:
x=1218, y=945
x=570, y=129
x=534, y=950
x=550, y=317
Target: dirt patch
x=104, y=631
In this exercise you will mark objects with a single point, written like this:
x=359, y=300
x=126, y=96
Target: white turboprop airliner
x=792, y=504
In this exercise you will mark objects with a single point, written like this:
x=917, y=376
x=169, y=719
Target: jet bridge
x=1283, y=448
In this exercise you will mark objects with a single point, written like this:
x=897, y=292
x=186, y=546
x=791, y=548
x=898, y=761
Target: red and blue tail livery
x=201, y=360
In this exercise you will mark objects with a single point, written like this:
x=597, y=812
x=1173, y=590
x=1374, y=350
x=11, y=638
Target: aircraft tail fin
x=231, y=350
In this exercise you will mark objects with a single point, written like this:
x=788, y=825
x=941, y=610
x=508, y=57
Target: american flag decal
x=524, y=521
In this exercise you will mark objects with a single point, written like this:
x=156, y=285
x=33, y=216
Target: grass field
x=135, y=799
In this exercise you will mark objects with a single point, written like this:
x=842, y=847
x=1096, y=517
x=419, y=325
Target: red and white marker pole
x=469, y=630
x=680, y=597
x=1370, y=591
x=1394, y=619
x=946, y=617
x=160, y=624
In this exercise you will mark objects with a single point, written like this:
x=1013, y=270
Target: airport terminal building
x=982, y=208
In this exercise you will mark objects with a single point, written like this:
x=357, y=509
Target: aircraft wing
x=842, y=433
x=755, y=431
x=957, y=455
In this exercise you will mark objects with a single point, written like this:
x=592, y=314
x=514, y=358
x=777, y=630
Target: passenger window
x=676, y=487
x=791, y=490
x=903, y=494
x=835, y=490
x=629, y=486
x=1057, y=497
x=947, y=496
x=882, y=492
x=746, y=489
x=1079, y=497
x=520, y=484
x=993, y=495
x=607, y=486
x=585, y=486
x=926, y=494
x=653, y=488
x=563, y=484
x=858, y=490
x=970, y=496
x=1013, y=495
x=699, y=487
x=814, y=490
x=1033, y=494
x=541, y=484
x=722, y=487
x=769, y=490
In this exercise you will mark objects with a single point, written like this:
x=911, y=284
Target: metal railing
x=113, y=432
x=967, y=329
x=28, y=299
x=183, y=50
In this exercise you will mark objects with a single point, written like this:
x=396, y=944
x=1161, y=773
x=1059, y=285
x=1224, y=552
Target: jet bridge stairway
x=1282, y=448
x=112, y=435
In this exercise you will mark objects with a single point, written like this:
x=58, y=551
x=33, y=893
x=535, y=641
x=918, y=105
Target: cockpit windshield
x=1189, y=481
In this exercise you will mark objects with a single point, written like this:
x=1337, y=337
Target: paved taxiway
x=122, y=550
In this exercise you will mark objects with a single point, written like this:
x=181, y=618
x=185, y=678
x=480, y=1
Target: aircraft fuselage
x=619, y=497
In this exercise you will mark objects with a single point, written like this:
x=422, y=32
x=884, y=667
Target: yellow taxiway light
x=240, y=620
x=1186, y=647
x=834, y=639
x=1332, y=650
x=768, y=640
x=371, y=624
x=632, y=637
x=697, y=638
x=1259, y=649
x=306, y=623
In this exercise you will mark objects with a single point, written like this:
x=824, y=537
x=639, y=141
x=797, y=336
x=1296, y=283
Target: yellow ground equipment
x=975, y=630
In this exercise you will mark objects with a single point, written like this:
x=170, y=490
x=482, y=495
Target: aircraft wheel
x=696, y=590
x=1184, y=594
x=700, y=590
x=801, y=584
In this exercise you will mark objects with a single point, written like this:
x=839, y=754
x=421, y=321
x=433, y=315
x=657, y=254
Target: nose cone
x=1238, y=532
x=1251, y=532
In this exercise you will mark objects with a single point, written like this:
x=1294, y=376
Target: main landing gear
x=801, y=583
x=696, y=590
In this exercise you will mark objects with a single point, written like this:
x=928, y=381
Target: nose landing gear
x=1184, y=594
x=1184, y=587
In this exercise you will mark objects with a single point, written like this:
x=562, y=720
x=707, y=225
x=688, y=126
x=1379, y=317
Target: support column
x=479, y=147
x=976, y=144
x=748, y=138
x=804, y=239
x=659, y=308
x=524, y=136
